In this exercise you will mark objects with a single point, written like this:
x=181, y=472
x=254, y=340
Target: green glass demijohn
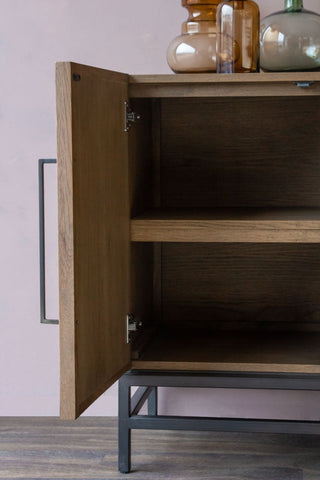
x=290, y=39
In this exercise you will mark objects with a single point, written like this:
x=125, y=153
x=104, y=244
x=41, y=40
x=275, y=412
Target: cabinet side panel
x=66, y=242
x=141, y=198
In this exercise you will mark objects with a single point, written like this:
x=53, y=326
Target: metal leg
x=153, y=402
x=124, y=448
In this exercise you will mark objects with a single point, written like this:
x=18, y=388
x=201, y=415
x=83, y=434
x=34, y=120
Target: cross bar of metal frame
x=259, y=381
x=170, y=422
x=139, y=398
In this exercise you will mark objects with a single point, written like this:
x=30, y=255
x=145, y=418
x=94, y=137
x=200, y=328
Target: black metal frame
x=149, y=381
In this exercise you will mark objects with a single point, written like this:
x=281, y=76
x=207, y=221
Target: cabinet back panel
x=240, y=152
x=141, y=195
x=236, y=286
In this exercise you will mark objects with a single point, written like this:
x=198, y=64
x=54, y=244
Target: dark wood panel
x=141, y=303
x=156, y=137
x=144, y=167
x=48, y=448
x=256, y=286
x=140, y=148
x=240, y=152
x=192, y=349
x=289, y=214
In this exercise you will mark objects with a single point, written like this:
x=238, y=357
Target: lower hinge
x=130, y=117
x=132, y=326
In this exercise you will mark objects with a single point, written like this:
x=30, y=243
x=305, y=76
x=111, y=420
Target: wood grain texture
x=285, y=225
x=191, y=349
x=49, y=448
x=141, y=194
x=235, y=78
x=156, y=141
x=243, y=287
x=66, y=241
x=141, y=291
x=240, y=152
x=140, y=147
x=219, y=85
x=94, y=232
x=235, y=143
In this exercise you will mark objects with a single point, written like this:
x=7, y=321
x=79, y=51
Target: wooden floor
x=48, y=448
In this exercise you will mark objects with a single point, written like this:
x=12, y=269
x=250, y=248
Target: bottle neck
x=202, y=19
x=202, y=13
x=293, y=5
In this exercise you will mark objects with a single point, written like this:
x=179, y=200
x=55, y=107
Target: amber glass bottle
x=195, y=49
x=238, y=25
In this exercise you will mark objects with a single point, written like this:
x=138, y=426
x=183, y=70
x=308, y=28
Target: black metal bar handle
x=43, y=318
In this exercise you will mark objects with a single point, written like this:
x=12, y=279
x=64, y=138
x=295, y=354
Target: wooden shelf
x=255, y=225
x=285, y=352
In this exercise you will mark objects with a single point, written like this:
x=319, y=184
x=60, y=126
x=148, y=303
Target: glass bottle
x=195, y=49
x=290, y=40
x=238, y=36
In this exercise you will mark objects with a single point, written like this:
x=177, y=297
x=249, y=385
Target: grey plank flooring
x=49, y=448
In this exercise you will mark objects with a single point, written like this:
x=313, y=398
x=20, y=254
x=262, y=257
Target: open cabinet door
x=93, y=206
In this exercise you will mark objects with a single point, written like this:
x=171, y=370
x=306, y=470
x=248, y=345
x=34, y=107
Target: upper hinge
x=132, y=325
x=130, y=117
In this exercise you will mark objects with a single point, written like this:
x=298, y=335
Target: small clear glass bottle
x=194, y=51
x=238, y=25
x=290, y=39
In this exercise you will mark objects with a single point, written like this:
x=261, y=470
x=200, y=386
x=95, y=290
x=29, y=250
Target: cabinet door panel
x=93, y=232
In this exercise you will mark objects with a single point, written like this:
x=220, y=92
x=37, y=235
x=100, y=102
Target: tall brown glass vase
x=238, y=36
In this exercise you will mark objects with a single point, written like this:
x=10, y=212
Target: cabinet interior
x=225, y=205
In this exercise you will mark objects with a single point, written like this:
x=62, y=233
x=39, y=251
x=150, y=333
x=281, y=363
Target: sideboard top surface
x=220, y=85
x=183, y=78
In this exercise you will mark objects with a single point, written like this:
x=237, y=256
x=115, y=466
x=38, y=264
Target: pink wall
x=130, y=36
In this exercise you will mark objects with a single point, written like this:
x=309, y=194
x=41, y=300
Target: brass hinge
x=130, y=117
x=132, y=325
